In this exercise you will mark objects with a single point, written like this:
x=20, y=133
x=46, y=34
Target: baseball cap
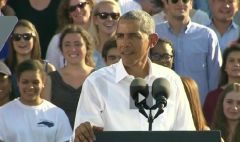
x=4, y=69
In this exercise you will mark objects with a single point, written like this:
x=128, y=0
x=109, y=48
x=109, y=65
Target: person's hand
x=85, y=132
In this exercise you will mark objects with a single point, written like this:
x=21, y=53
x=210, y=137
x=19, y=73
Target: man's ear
x=191, y=3
x=153, y=38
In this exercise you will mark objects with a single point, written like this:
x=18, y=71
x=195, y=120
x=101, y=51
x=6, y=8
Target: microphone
x=160, y=92
x=139, y=92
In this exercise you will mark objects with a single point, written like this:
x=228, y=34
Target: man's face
x=5, y=86
x=178, y=9
x=113, y=56
x=150, y=6
x=223, y=10
x=132, y=43
x=162, y=55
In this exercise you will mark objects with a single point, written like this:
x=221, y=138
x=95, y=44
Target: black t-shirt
x=45, y=20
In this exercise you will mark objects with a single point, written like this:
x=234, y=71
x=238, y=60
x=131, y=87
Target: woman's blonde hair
x=93, y=29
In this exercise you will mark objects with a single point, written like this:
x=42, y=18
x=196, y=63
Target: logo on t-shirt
x=45, y=123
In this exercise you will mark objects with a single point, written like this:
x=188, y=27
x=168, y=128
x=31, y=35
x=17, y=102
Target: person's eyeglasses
x=81, y=5
x=159, y=57
x=104, y=15
x=176, y=1
x=25, y=36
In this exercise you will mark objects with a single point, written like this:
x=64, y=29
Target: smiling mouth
x=73, y=55
x=108, y=24
x=236, y=70
x=30, y=94
x=22, y=46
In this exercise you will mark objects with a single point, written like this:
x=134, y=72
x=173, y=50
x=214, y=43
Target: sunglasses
x=176, y=1
x=25, y=36
x=105, y=15
x=81, y=5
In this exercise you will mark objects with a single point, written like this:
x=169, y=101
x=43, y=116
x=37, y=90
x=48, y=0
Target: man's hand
x=85, y=132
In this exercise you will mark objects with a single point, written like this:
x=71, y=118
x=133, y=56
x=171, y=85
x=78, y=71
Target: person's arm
x=54, y=55
x=85, y=132
x=89, y=109
x=47, y=94
x=214, y=61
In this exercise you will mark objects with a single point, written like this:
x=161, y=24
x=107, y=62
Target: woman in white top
x=30, y=118
x=69, y=12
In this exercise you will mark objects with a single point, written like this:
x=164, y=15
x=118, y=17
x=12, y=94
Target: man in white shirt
x=105, y=98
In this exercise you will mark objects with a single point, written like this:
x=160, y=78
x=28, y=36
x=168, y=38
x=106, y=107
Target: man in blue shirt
x=197, y=52
x=222, y=21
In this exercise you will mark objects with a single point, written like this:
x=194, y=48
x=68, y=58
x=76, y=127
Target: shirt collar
x=188, y=26
x=232, y=25
x=121, y=73
x=185, y=30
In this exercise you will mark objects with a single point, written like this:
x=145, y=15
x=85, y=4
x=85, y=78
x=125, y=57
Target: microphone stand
x=150, y=120
x=160, y=105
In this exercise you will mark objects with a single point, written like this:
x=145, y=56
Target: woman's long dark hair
x=223, y=76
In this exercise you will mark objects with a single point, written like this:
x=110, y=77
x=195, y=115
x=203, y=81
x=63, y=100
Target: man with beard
x=197, y=51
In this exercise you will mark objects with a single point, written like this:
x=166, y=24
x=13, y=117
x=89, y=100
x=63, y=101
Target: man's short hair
x=109, y=44
x=147, y=24
x=162, y=41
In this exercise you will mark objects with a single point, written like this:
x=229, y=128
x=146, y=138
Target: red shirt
x=210, y=104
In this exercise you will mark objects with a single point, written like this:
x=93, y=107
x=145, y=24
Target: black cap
x=4, y=69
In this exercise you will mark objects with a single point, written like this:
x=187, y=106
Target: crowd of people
x=67, y=67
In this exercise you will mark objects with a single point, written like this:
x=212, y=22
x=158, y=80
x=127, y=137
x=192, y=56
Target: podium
x=158, y=136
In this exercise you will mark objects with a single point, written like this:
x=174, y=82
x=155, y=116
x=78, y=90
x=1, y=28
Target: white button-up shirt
x=105, y=101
